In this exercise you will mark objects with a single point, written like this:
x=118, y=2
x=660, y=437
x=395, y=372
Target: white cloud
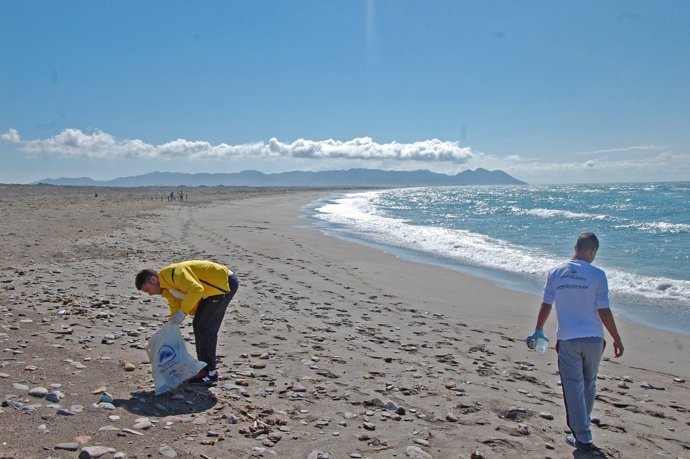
x=662, y=166
x=365, y=148
x=11, y=136
x=650, y=163
x=650, y=148
x=74, y=143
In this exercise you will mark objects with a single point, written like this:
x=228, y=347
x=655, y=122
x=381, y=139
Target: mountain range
x=333, y=178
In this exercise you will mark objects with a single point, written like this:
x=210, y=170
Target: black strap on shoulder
x=214, y=286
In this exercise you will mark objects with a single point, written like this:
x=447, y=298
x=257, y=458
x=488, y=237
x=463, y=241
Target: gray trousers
x=578, y=362
x=207, y=321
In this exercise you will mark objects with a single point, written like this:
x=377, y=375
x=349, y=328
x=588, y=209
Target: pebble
x=38, y=392
x=54, y=396
x=108, y=428
x=82, y=439
x=297, y=387
x=374, y=402
x=417, y=452
x=89, y=452
x=108, y=339
x=390, y=406
x=71, y=446
x=143, y=424
x=546, y=415
x=167, y=451
x=13, y=404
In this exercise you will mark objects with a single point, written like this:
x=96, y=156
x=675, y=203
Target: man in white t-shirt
x=580, y=293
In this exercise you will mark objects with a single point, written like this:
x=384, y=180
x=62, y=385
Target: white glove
x=178, y=318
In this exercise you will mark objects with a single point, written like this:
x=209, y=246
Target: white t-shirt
x=578, y=290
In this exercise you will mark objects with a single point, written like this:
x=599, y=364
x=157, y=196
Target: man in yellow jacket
x=202, y=289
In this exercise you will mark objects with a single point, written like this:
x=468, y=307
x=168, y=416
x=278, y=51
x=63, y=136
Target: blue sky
x=549, y=91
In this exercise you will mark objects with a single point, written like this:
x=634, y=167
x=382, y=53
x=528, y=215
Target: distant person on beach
x=202, y=289
x=580, y=292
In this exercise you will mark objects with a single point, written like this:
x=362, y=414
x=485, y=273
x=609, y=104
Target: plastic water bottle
x=540, y=346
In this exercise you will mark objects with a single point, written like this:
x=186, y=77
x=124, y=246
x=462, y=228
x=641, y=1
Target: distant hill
x=336, y=178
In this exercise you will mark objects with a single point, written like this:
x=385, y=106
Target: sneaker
x=206, y=377
x=588, y=448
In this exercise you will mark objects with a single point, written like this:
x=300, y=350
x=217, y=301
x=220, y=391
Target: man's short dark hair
x=587, y=241
x=143, y=277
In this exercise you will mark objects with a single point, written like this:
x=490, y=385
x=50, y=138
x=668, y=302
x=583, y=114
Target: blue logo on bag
x=166, y=354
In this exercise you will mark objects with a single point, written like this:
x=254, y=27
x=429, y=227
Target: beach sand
x=329, y=349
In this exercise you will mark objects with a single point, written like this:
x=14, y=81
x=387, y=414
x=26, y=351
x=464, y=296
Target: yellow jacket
x=186, y=283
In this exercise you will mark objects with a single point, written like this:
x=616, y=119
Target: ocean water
x=513, y=235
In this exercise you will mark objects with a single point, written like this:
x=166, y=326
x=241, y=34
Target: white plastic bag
x=171, y=362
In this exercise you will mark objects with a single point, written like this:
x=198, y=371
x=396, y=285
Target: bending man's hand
x=178, y=318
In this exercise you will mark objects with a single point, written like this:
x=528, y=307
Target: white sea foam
x=551, y=213
x=661, y=227
x=355, y=214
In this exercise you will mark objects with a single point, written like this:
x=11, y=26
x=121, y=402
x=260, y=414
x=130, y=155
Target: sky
x=549, y=91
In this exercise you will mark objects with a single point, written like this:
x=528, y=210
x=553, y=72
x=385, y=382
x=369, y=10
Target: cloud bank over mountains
x=82, y=153
x=74, y=143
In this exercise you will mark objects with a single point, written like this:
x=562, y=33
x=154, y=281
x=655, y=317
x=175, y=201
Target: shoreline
x=328, y=347
x=522, y=297
x=645, y=313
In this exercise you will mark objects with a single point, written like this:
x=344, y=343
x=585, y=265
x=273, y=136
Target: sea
x=513, y=235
